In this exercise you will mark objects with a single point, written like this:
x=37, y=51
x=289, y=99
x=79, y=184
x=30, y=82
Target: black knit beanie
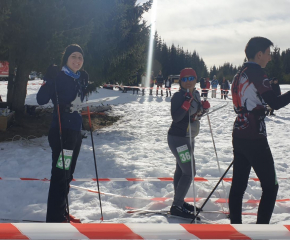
x=69, y=50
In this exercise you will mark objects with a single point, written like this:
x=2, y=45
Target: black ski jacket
x=159, y=78
x=67, y=91
x=276, y=89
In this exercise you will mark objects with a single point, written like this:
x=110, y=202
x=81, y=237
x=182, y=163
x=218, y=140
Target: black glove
x=188, y=97
x=51, y=74
x=84, y=78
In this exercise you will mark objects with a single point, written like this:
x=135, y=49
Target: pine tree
x=274, y=67
x=34, y=33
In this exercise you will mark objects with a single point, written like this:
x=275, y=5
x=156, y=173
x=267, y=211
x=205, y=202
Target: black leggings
x=56, y=203
x=254, y=153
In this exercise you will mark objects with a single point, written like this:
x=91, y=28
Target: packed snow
x=136, y=147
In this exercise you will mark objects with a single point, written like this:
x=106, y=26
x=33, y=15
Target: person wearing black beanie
x=73, y=48
x=66, y=89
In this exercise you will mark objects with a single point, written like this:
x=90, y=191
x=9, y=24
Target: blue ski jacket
x=214, y=83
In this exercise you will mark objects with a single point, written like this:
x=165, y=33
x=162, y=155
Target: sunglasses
x=185, y=79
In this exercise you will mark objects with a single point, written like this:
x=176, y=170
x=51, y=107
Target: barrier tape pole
x=77, y=231
x=95, y=162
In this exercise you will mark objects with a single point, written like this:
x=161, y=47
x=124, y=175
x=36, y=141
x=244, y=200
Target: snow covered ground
x=136, y=147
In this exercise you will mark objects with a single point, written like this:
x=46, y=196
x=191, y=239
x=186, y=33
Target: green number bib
x=183, y=153
x=67, y=159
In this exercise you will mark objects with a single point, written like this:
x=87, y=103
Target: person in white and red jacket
x=186, y=109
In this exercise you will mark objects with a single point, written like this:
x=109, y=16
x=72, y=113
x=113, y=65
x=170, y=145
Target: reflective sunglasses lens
x=185, y=79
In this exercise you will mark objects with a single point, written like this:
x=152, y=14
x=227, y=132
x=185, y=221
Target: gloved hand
x=51, y=74
x=205, y=104
x=188, y=99
x=84, y=78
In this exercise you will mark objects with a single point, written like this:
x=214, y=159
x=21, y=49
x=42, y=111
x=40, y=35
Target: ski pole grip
x=89, y=116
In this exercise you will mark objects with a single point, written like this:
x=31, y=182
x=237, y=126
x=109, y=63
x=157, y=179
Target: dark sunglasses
x=185, y=79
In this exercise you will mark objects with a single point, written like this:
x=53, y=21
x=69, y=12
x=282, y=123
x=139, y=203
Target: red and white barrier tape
x=149, y=179
x=164, y=88
x=167, y=199
x=141, y=231
x=121, y=86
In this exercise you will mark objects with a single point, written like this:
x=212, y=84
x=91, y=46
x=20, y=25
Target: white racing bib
x=183, y=153
x=67, y=159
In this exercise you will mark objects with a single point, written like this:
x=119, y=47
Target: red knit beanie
x=187, y=72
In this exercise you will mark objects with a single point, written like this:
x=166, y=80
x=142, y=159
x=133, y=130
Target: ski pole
x=95, y=162
x=212, y=192
x=217, y=159
x=62, y=154
x=191, y=159
x=219, y=107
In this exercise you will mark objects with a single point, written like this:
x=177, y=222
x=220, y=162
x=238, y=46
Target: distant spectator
x=168, y=86
x=159, y=80
x=276, y=89
x=202, y=86
x=214, y=84
x=135, y=85
x=207, y=87
x=225, y=87
x=2, y=101
x=143, y=83
x=128, y=87
x=151, y=82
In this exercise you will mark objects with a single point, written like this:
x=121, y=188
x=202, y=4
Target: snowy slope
x=135, y=146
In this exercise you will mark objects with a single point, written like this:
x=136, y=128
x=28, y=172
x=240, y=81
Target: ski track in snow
x=136, y=146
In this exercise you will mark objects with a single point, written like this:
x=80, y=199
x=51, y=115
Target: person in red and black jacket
x=225, y=87
x=251, y=91
x=207, y=87
x=186, y=110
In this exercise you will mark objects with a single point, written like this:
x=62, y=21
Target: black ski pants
x=56, y=203
x=224, y=94
x=254, y=153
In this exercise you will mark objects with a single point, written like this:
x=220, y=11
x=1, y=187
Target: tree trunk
x=11, y=78
x=20, y=90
